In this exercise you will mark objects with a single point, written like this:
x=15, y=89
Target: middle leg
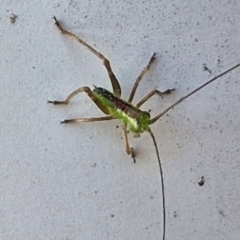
x=146, y=69
x=88, y=91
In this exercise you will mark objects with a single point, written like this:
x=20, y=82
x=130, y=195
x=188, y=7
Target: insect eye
x=147, y=114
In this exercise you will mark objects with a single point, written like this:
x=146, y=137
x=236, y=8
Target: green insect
x=115, y=108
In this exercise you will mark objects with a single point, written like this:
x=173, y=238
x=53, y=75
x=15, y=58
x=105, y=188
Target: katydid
x=115, y=108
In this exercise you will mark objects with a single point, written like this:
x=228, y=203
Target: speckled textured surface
x=76, y=181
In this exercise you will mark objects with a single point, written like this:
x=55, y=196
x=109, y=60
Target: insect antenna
x=162, y=183
x=153, y=120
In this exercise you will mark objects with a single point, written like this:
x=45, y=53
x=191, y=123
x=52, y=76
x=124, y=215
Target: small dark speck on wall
x=201, y=182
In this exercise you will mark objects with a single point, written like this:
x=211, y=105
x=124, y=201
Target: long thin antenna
x=191, y=93
x=162, y=183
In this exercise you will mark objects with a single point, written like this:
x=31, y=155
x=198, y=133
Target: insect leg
x=115, y=84
x=88, y=91
x=152, y=93
x=93, y=119
x=139, y=78
x=129, y=149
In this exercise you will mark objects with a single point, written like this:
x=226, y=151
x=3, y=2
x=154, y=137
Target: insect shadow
x=115, y=108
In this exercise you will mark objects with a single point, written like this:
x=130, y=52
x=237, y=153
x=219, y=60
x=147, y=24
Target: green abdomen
x=137, y=120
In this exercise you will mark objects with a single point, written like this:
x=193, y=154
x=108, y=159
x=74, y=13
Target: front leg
x=129, y=150
x=152, y=93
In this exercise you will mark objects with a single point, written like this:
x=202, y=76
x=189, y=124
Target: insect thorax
x=137, y=120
